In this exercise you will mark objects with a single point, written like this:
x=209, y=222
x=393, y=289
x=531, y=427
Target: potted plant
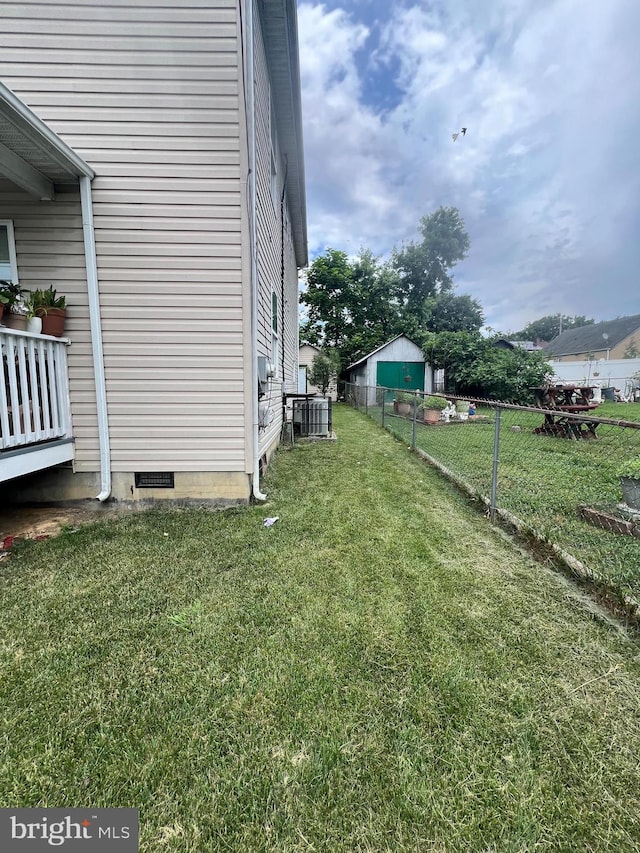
x=629, y=473
x=52, y=309
x=34, y=323
x=431, y=408
x=403, y=403
x=16, y=310
x=10, y=298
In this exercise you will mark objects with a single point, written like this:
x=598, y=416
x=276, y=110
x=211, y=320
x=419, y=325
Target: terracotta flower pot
x=403, y=409
x=52, y=321
x=431, y=416
x=16, y=321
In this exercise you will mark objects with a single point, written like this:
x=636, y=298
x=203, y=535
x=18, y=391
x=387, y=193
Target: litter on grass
x=269, y=522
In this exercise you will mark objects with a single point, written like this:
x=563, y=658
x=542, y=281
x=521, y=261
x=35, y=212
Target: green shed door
x=400, y=374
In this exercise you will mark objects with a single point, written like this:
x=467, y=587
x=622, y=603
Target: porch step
x=18, y=461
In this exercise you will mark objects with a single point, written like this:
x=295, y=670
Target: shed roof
x=377, y=349
x=32, y=156
x=590, y=338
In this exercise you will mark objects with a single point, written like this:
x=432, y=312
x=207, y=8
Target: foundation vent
x=154, y=480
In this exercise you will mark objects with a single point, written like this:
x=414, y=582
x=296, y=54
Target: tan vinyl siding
x=148, y=95
x=50, y=250
x=270, y=232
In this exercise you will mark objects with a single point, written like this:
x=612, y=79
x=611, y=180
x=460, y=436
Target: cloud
x=548, y=175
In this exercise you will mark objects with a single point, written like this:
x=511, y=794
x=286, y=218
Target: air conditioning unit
x=312, y=417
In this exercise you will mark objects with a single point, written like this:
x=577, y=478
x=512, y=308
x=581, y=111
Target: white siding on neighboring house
x=148, y=96
x=306, y=355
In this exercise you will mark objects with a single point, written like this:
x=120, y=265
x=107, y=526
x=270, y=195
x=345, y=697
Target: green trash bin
x=607, y=394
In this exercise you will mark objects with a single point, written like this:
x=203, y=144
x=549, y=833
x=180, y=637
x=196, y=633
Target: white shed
x=396, y=364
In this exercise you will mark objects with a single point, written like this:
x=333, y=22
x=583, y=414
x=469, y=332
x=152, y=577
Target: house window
x=275, y=342
x=8, y=264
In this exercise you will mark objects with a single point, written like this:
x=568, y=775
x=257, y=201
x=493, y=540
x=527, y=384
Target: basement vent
x=154, y=480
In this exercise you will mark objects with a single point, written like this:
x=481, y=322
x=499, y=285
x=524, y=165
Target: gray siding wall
x=148, y=96
x=275, y=248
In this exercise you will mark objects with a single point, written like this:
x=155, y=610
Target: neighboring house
x=397, y=364
x=306, y=354
x=612, y=339
x=151, y=168
x=527, y=346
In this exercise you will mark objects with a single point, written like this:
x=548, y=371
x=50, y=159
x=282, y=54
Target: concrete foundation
x=61, y=485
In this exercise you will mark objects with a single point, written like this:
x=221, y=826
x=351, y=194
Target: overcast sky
x=547, y=178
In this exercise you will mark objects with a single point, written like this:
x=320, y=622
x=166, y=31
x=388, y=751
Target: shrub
x=438, y=403
x=630, y=468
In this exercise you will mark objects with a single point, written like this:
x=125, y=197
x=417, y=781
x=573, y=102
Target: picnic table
x=560, y=401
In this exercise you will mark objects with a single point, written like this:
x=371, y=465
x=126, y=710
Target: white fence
x=34, y=389
x=608, y=373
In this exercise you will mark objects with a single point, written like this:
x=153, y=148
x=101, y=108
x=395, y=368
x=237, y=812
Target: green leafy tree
x=548, y=327
x=449, y=312
x=474, y=367
x=425, y=268
x=631, y=350
x=355, y=306
x=325, y=368
x=327, y=297
x=352, y=306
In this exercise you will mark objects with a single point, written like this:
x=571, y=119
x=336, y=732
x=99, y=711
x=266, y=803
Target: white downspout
x=96, y=337
x=251, y=132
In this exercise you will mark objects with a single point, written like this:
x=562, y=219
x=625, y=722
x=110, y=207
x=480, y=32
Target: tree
x=324, y=370
x=474, y=367
x=549, y=327
x=451, y=313
x=356, y=306
x=424, y=268
x=352, y=306
x=327, y=296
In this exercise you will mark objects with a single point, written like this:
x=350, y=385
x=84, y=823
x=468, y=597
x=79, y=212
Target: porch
x=35, y=415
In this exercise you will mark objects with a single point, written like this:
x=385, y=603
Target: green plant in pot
x=52, y=309
x=629, y=473
x=14, y=307
x=403, y=403
x=431, y=408
x=10, y=296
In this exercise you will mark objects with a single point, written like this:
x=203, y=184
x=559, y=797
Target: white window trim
x=13, y=263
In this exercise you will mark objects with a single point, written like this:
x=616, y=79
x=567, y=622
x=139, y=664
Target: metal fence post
x=383, y=396
x=413, y=425
x=366, y=399
x=494, y=473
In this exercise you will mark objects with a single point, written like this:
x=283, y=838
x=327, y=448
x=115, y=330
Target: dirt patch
x=45, y=521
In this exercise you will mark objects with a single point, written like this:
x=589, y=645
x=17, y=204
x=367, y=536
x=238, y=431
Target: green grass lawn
x=543, y=479
x=379, y=671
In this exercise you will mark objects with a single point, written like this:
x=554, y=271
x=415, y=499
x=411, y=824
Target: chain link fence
x=550, y=474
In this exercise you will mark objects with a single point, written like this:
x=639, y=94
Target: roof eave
x=36, y=131
x=281, y=42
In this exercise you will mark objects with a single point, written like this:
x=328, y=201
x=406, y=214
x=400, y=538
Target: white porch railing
x=34, y=389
